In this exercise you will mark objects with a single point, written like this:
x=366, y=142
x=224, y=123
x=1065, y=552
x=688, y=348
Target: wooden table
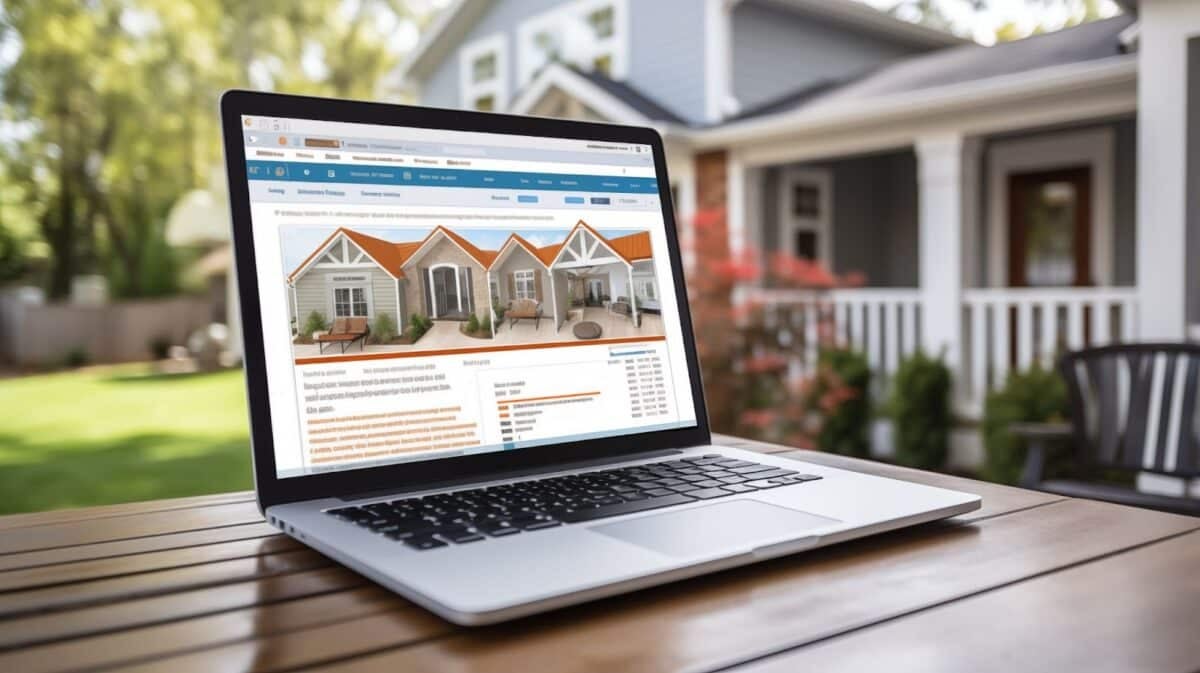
x=1030, y=582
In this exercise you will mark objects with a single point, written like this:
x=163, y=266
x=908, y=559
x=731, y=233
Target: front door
x=445, y=292
x=1050, y=228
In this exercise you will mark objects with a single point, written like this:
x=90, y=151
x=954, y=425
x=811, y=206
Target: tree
x=938, y=14
x=114, y=102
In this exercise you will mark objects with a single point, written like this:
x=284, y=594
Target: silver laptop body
x=592, y=530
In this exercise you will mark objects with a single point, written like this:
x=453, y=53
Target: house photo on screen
x=372, y=289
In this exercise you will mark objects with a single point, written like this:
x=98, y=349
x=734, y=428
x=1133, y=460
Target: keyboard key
x=658, y=492
x=424, y=543
x=751, y=469
x=708, y=483
x=773, y=473
x=707, y=493
x=739, y=488
x=539, y=525
x=462, y=537
x=762, y=483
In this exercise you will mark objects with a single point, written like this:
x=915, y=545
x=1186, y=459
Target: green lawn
x=119, y=434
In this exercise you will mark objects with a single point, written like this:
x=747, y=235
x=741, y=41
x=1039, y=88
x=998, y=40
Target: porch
x=998, y=249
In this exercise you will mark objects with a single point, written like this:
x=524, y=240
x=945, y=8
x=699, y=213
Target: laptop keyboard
x=473, y=515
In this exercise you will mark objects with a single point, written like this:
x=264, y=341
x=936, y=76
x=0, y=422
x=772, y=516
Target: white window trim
x=520, y=274
x=1093, y=148
x=365, y=285
x=469, y=91
x=617, y=44
x=789, y=225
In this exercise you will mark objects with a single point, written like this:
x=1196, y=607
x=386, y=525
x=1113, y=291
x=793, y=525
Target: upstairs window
x=483, y=74
x=587, y=34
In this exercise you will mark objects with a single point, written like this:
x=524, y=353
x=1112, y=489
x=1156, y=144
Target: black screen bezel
x=271, y=489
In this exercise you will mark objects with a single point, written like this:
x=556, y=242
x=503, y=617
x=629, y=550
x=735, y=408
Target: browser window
x=432, y=294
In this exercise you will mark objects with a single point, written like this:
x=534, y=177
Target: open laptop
x=471, y=369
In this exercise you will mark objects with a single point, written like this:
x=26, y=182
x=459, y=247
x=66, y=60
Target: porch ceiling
x=1047, y=96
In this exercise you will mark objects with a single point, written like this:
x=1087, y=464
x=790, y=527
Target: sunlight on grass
x=120, y=434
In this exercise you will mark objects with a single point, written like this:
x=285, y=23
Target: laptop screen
x=431, y=294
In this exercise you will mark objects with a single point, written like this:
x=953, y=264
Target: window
x=645, y=289
x=483, y=74
x=588, y=34
x=806, y=220
x=349, y=302
x=523, y=284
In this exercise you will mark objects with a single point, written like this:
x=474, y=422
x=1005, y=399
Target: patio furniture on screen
x=524, y=308
x=344, y=333
x=1134, y=411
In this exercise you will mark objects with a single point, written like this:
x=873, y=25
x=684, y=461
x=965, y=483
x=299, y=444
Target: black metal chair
x=1134, y=408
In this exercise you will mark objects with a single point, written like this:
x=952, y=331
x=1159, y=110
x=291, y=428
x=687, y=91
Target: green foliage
x=314, y=322
x=418, y=325
x=847, y=423
x=159, y=347
x=112, y=103
x=485, y=325
x=920, y=408
x=473, y=324
x=150, y=435
x=1036, y=395
x=384, y=329
x=499, y=309
x=13, y=264
x=76, y=357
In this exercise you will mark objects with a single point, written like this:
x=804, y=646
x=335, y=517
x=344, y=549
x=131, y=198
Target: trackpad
x=738, y=525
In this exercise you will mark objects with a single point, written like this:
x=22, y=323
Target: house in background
x=1003, y=202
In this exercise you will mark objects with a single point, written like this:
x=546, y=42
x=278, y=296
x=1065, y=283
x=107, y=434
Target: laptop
x=471, y=370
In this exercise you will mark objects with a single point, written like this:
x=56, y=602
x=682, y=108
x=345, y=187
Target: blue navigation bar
x=292, y=171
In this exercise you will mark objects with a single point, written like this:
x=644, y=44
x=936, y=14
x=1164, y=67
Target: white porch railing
x=1002, y=328
x=883, y=323
x=1006, y=327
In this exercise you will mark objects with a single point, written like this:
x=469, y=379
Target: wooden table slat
x=127, y=614
x=223, y=629
x=141, y=545
x=126, y=527
x=122, y=509
x=64, y=573
x=1134, y=611
x=136, y=585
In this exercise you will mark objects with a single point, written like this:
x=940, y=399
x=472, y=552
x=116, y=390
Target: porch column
x=940, y=214
x=1168, y=27
x=491, y=307
x=632, y=298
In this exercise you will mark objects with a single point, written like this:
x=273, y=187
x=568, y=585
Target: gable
x=347, y=249
x=585, y=247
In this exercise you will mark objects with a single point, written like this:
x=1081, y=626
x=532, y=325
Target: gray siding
x=441, y=88
x=874, y=222
x=776, y=51
x=314, y=292
x=519, y=259
x=666, y=54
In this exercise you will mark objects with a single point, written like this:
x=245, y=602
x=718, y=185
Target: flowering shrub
x=749, y=355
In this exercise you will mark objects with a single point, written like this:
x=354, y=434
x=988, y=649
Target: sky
x=981, y=24
x=299, y=242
